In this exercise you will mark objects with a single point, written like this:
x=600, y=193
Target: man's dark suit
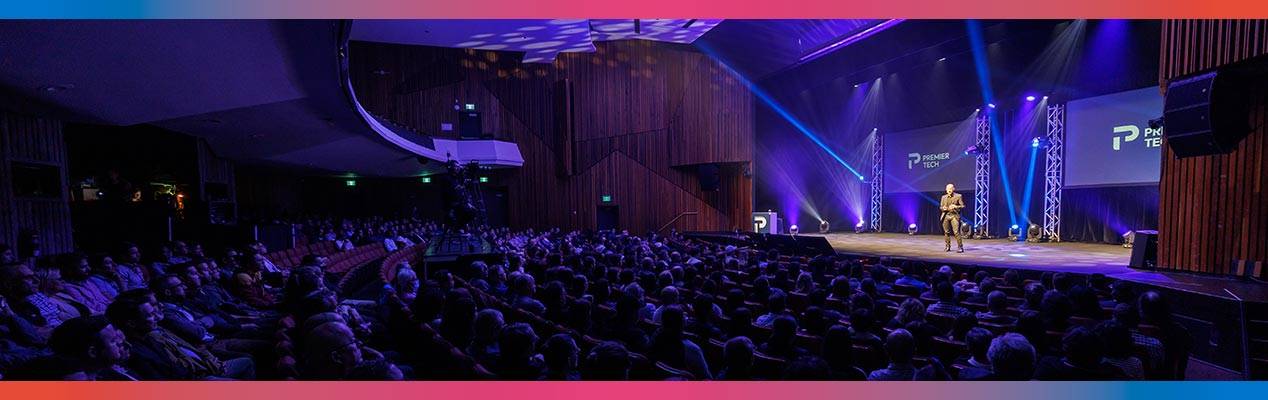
x=951, y=205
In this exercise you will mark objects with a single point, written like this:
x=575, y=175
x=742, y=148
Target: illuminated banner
x=926, y=159
x=1109, y=141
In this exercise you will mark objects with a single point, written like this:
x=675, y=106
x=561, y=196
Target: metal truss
x=982, y=177
x=878, y=182
x=1054, y=178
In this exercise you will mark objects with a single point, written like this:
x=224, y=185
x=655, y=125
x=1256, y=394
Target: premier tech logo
x=1152, y=137
x=927, y=161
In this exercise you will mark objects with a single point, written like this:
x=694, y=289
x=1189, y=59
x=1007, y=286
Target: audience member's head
x=608, y=361
x=1012, y=358
x=900, y=346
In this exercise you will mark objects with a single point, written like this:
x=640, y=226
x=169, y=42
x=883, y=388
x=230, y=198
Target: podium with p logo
x=766, y=222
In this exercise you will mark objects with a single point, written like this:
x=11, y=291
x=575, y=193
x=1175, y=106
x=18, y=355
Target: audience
x=556, y=305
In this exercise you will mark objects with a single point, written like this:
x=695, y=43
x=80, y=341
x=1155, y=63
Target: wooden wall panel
x=1212, y=208
x=34, y=141
x=645, y=114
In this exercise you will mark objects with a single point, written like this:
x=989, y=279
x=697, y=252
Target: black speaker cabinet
x=1209, y=112
x=1145, y=249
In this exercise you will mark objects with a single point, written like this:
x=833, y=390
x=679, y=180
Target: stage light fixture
x=823, y=226
x=856, y=86
x=992, y=105
x=911, y=229
x=858, y=228
x=1128, y=238
x=794, y=230
x=1030, y=98
x=942, y=59
x=977, y=110
x=1014, y=232
x=965, y=230
x=1033, y=234
x=1034, y=142
x=1045, y=98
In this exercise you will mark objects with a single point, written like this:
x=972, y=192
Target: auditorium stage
x=1085, y=258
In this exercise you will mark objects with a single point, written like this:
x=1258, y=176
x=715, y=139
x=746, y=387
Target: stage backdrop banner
x=926, y=159
x=1109, y=141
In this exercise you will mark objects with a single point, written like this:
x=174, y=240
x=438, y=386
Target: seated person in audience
x=805, y=283
x=741, y=322
x=909, y=278
x=105, y=275
x=946, y=304
x=1177, y=343
x=672, y=348
x=206, y=297
x=977, y=364
x=94, y=345
x=668, y=297
x=523, y=287
x=132, y=272
x=518, y=358
x=457, y=321
x=249, y=284
x=20, y=341
x=862, y=330
x=776, y=306
x=1119, y=349
x=1034, y=297
x=1011, y=358
x=1149, y=348
x=332, y=352
x=608, y=361
x=561, y=358
x=1085, y=304
x=7, y=256
x=911, y=310
x=838, y=351
x=159, y=355
x=1081, y=360
x=807, y=368
x=782, y=341
x=22, y=289
x=737, y=360
x=1121, y=292
x=624, y=326
x=1056, y=311
x=900, y=348
x=979, y=293
x=997, y=310
x=76, y=283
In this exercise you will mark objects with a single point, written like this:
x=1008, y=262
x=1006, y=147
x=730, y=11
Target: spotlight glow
x=942, y=59
x=1034, y=142
x=1030, y=98
x=991, y=105
x=912, y=226
x=859, y=225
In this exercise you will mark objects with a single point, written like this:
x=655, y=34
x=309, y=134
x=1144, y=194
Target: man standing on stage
x=951, y=205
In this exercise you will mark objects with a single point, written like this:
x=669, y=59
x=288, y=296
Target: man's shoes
x=961, y=250
x=948, y=249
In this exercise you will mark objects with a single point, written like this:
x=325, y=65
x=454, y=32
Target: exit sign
x=469, y=107
x=350, y=183
x=426, y=179
x=607, y=198
x=484, y=179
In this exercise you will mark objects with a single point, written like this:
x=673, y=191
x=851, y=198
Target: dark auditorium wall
x=268, y=192
x=1212, y=208
x=645, y=115
x=36, y=142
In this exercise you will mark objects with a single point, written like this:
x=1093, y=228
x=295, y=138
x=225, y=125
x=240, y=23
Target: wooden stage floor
x=1084, y=258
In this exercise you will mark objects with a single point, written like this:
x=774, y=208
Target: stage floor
x=1085, y=258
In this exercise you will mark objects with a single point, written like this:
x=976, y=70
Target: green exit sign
x=469, y=107
x=426, y=179
x=484, y=179
x=607, y=198
x=350, y=183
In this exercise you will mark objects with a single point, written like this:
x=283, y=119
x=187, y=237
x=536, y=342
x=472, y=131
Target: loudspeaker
x=1209, y=112
x=1145, y=250
x=469, y=125
x=710, y=177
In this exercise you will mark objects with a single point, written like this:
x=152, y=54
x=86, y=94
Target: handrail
x=671, y=222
